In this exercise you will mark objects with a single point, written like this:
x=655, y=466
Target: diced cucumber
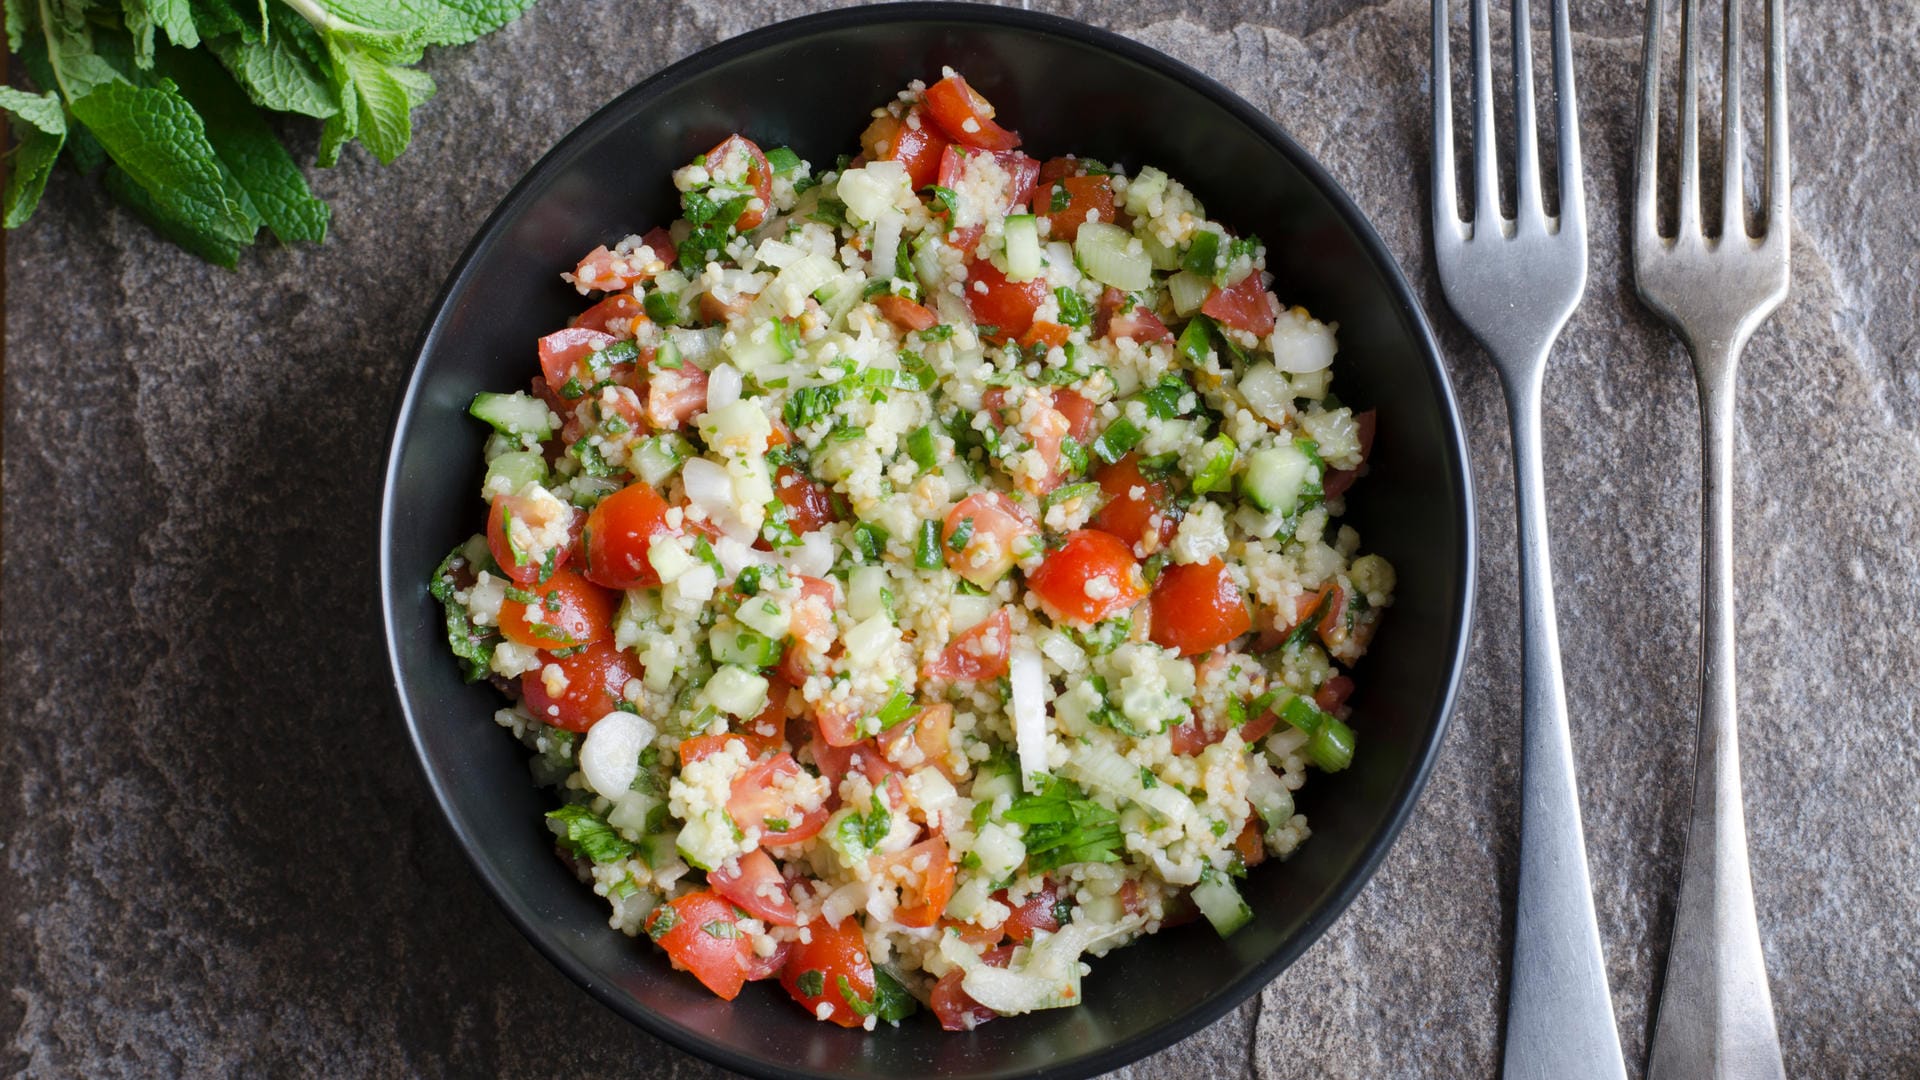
x=1023, y=248
x=1217, y=472
x=1109, y=255
x=658, y=457
x=757, y=351
x=1189, y=290
x=994, y=779
x=747, y=648
x=1267, y=392
x=1220, y=902
x=970, y=611
x=1312, y=385
x=736, y=691
x=586, y=492
x=1148, y=186
x=1163, y=256
x=1270, y=798
x=867, y=592
x=1000, y=851
x=516, y=414
x=707, y=841
x=969, y=898
x=512, y=471
x=661, y=849
x=1276, y=476
x=634, y=811
x=767, y=615
x=669, y=561
x=869, y=640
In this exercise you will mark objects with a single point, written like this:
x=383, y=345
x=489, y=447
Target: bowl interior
x=810, y=85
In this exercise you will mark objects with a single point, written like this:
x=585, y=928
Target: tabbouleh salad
x=917, y=576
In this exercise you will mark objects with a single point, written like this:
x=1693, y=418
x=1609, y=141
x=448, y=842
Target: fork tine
x=1733, y=161
x=1528, y=209
x=1689, y=216
x=1779, y=186
x=1573, y=187
x=1486, y=174
x=1646, y=164
x=1446, y=199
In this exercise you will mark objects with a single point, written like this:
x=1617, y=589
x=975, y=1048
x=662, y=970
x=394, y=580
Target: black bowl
x=809, y=84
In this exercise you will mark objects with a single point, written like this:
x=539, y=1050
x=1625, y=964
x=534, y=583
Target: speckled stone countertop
x=217, y=855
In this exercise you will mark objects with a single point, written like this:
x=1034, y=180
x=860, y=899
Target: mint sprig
x=167, y=100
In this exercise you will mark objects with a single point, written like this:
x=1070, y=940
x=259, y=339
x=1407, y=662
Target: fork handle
x=1560, y=1022
x=1716, y=1015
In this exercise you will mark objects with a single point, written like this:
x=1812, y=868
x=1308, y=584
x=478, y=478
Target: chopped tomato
x=1339, y=480
x=1090, y=577
x=966, y=116
x=1246, y=306
x=835, y=762
x=1197, y=607
x=809, y=503
x=979, y=653
x=1021, y=172
x=676, y=396
x=818, y=965
x=715, y=310
x=608, y=271
x=955, y=1008
x=1037, y=913
x=1086, y=196
x=839, y=724
x=1333, y=693
x=765, y=798
x=985, y=535
x=701, y=934
x=924, y=873
x=925, y=739
x=756, y=885
x=1259, y=727
x=563, y=612
x=766, y=967
x=768, y=731
x=1137, y=510
x=964, y=239
x=1140, y=324
x=1078, y=411
x=705, y=746
x=913, y=142
x=619, y=533
x=1250, y=844
x=904, y=313
x=1044, y=428
x=812, y=619
x=593, y=680
x=511, y=525
x=564, y=354
x=615, y=315
x=1191, y=737
x=1005, y=306
x=1047, y=334
x=738, y=159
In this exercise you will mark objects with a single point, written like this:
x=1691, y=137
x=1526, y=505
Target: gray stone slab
x=218, y=855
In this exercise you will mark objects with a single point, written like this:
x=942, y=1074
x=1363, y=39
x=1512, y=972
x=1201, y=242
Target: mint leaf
x=27, y=173
x=176, y=18
x=444, y=22
x=18, y=22
x=40, y=111
x=157, y=138
x=73, y=65
x=217, y=18
x=277, y=73
x=247, y=147
x=380, y=102
x=128, y=192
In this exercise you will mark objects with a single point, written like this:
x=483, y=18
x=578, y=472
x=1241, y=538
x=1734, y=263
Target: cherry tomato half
x=967, y=117
x=1197, y=607
x=1005, y=306
x=620, y=530
x=702, y=934
x=594, y=678
x=565, y=611
x=1090, y=577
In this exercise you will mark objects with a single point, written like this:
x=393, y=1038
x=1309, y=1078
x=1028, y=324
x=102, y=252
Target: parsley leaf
x=589, y=835
x=1064, y=826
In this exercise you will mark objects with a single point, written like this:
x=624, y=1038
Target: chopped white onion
x=610, y=754
x=723, y=386
x=1028, y=680
x=814, y=556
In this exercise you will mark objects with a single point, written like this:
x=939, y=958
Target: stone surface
x=219, y=856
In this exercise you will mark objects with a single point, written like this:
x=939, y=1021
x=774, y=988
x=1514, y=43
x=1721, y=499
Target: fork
x=1514, y=282
x=1716, y=1016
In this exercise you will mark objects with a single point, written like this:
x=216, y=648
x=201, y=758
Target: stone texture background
x=218, y=855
